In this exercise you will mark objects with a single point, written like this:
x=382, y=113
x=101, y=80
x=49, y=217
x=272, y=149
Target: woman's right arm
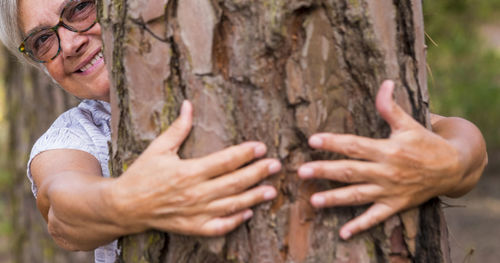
x=206, y=196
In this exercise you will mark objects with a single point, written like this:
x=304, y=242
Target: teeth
x=92, y=62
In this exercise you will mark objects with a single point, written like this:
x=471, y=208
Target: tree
x=276, y=71
x=32, y=102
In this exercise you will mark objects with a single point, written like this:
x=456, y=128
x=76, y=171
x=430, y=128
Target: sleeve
x=59, y=138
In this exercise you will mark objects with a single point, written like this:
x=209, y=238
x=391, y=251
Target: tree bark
x=275, y=71
x=32, y=102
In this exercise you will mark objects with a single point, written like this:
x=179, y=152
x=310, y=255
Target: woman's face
x=79, y=67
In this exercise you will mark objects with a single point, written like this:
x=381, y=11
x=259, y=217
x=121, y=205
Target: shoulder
x=77, y=128
x=84, y=128
x=87, y=113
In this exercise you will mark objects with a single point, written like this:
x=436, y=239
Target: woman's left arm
x=468, y=140
x=403, y=171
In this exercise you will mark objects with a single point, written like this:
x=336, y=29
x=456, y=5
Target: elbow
x=62, y=237
x=485, y=161
x=471, y=178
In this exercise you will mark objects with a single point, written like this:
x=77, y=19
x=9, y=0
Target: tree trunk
x=32, y=104
x=276, y=71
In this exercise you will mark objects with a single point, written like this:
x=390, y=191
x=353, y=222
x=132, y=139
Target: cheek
x=55, y=70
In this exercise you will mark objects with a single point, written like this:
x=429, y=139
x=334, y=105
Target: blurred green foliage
x=464, y=77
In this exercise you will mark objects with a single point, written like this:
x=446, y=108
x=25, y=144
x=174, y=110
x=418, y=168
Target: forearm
x=469, y=142
x=80, y=213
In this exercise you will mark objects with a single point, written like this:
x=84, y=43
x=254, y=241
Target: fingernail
x=260, y=150
x=270, y=194
x=306, y=172
x=345, y=234
x=184, y=107
x=316, y=141
x=274, y=167
x=248, y=214
x=318, y=200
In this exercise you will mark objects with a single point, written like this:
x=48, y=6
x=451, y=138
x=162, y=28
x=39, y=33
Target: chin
x=100, y=88
x=102, y=93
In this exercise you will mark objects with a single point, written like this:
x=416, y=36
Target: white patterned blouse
x=86, y=128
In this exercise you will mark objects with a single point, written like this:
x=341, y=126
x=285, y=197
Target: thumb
x=390, y=111
x=174, y=136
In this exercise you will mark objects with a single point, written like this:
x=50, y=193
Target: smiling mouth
x=99, y=56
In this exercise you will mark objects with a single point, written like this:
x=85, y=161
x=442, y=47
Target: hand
x=206, y=196
x=410, y=167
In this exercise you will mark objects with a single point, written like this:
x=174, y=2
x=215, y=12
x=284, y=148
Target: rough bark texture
x=276, y=71
x=32, y=104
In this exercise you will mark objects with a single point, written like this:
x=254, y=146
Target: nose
x=72, y=43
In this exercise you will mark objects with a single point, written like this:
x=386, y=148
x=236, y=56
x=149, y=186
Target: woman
x=207, y=196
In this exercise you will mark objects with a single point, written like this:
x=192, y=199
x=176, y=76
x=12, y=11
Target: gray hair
x=10, y=32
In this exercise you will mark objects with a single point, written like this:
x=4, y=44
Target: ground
x=474, y=220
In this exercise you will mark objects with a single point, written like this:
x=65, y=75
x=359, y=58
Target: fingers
x=347, y=196
x=174, y=136
x=346, y=171
x=376, y=214
x=239, y=180
x=223, y=225
x=227, y=160
x=350, y=145
x=232, y=204
x=391, y=112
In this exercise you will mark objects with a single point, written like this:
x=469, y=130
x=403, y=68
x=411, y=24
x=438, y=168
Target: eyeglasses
x=45, y=44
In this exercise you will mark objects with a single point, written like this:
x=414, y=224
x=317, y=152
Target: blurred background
x=463, y=37
x=464, y=80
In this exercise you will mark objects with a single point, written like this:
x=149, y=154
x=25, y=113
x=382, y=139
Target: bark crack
x=141, y=24
x=406, y=50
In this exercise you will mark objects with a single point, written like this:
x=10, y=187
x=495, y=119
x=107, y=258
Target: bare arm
x=206, y=196
x=469, y=142
x=75, y=200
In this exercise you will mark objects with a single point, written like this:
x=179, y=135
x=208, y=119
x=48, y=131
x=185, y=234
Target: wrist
x=122, y=208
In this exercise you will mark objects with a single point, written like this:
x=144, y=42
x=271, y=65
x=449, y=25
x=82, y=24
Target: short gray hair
x=10, y=32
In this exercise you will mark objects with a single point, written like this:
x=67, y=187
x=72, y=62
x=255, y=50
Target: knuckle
x=356, y=195
x=227, y=161
x=219, y=228
x=364, y=223
x=262, y=169
x=392, y=175
x=178, y=182
x=246, y=150
x=227, y=157
x=193, y=171
x=183, y=175
x=352, y=148
x=186, y=198
x=179, y=199
x=234, y=182
x=393, y=151
x=371, y=221
x=347, y=174
x=232, y=208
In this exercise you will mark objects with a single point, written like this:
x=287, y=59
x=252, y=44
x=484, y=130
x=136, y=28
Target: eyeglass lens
x=77, y=16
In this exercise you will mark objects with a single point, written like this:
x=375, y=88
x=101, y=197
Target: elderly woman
x=85, y=209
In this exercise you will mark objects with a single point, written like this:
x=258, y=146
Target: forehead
x=34, y=13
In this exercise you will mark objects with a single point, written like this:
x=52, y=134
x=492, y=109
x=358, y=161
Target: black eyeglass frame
x=29, y=53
